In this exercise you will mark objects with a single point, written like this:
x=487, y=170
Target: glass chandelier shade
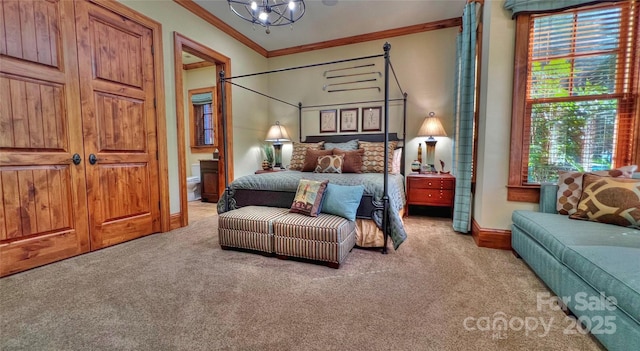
x=268, y=13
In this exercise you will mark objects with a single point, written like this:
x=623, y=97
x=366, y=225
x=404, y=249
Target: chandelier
x=268, y=13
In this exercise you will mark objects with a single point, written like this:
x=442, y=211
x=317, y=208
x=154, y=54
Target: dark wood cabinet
x=209, y=180
x=430, y=190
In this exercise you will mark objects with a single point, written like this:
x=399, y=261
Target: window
x=575, y=94
x=203, y=119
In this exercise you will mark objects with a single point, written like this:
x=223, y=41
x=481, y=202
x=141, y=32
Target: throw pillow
x=570, y=187
x=329, y=164
x=342, y=200
x=299, y=154
x=610, y=200
x=352, y=162
x=373, y=158
x=397, y=159
x=311, y=159
x=308, y=199
x=348, y=145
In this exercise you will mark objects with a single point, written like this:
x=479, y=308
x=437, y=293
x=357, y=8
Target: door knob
x=93, y=159
x=76, y=159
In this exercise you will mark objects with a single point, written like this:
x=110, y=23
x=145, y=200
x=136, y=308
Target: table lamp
x=277, y=134
x=431, y=127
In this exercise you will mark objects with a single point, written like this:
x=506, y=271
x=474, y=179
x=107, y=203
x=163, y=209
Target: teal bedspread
x=372, y=182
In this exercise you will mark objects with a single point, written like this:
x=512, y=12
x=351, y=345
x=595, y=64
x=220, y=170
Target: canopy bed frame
x=284, y=199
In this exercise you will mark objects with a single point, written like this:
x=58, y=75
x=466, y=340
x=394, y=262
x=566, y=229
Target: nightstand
x=260, y=171
x=431, y=189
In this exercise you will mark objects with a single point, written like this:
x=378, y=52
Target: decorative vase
x=415, y=166
x=266, y=165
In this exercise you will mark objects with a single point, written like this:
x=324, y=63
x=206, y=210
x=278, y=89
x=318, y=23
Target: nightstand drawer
x=431, y=197
x=426, y=183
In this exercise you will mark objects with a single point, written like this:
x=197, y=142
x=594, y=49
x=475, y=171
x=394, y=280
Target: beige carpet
x=179, y=291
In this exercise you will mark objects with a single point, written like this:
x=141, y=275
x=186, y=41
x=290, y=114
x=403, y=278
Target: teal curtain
x=464, y=106
x=202, y=99
x=537, y=6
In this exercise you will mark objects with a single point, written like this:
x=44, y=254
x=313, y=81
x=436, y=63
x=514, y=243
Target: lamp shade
x=277, y=133
x=431, y=127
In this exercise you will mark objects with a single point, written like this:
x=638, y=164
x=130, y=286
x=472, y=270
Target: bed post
x=300, y=121
x=385, y=197
x=404, y=134
x=225, y=164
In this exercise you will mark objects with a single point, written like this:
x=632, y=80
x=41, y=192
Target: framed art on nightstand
x=349, y=120
x=328, y=121
x=372, y=119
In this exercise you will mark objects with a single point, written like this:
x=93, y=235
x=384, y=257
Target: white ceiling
x=344, y=18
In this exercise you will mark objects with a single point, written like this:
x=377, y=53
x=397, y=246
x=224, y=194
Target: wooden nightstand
x=260, y=171
x=432, y=189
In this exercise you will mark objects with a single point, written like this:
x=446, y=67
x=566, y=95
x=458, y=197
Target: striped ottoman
x=325, y=238
x=249, y=227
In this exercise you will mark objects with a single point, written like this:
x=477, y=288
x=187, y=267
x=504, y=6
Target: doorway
x=190, y=55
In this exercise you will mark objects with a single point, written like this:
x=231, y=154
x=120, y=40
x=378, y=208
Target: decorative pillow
x=352, y=162
x=397, y=159
x=342, y=200
x=311, y=159
x=299, y=154
x=308, y=199
x=329, y=164
x=570, y=186
x=610, y=200
x=373, y=158
x=348, y=145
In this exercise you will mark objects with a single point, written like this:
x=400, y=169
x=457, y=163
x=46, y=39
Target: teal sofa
x=584, y=263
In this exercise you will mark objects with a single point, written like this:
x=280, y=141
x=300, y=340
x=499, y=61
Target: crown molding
x=218, y=23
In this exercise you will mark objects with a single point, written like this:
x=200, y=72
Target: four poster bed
x=379, y=215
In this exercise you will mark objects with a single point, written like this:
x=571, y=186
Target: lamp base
x=277, y=155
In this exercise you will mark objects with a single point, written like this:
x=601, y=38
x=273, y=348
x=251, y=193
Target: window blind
x=580, y=92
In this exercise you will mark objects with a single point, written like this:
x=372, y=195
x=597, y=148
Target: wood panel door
x=43, y=210
x=117, y=93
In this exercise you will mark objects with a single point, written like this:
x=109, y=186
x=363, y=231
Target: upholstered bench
x=325, y=238
x=249, y=227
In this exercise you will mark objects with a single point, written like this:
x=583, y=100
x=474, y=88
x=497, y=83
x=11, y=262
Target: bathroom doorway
x=199, y=129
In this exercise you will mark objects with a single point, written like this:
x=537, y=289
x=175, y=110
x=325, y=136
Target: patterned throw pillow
x=570, y=186
x=311, y=160
x=300, y=152
x=308, y=199
x=329, y=164
x=352, y=162
x=610, y=200
x=373, y=158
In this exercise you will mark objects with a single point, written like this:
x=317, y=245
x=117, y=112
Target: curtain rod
x=305, y=66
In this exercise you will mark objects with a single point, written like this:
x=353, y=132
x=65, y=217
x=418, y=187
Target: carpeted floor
x=179, y=291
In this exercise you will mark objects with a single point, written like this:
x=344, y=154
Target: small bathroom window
x=203, y=119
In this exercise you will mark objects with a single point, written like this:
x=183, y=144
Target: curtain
x=537, y=6
x=464, y=113
x=202, y=99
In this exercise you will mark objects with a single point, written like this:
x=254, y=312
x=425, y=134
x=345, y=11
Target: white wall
x=249, y=112
x=424, y=63
x=491, y=208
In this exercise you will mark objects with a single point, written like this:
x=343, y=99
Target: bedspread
x=373, y=184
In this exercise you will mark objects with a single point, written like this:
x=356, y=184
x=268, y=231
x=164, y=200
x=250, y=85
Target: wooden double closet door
x=78, y=144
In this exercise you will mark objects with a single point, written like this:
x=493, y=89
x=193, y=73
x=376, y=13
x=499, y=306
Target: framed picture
x=328, y=121
x=349, y=120
x=372, y=119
